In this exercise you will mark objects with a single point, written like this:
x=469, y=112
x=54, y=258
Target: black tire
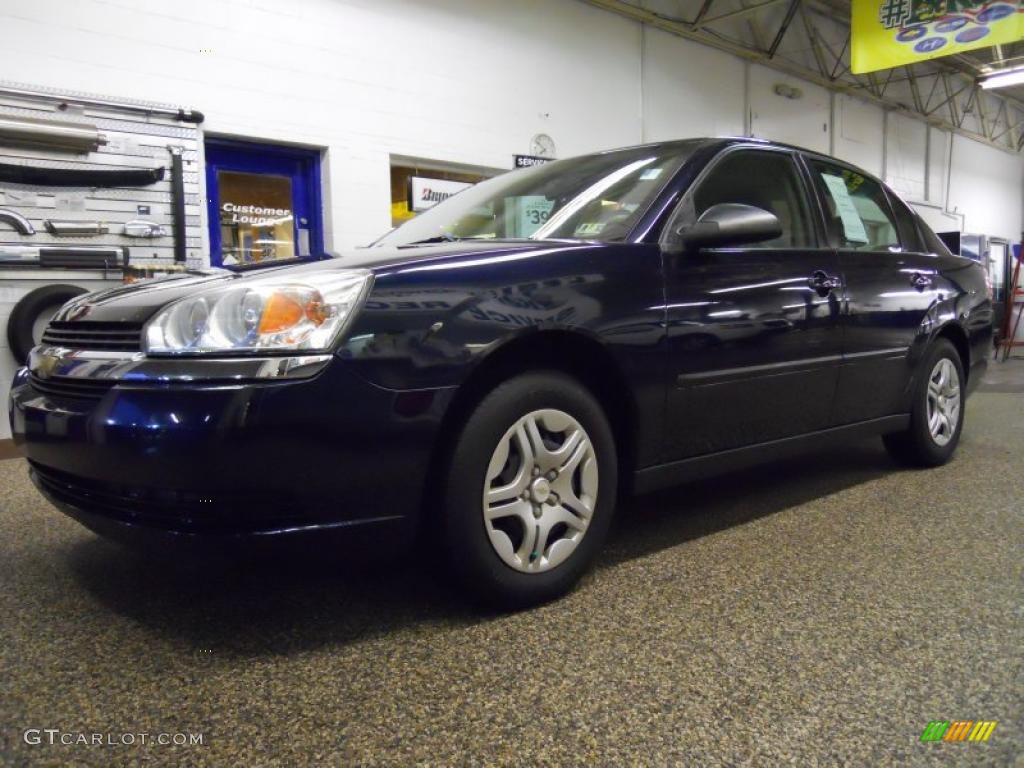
x=26, y=312
x=916, y=446
x=465, y=541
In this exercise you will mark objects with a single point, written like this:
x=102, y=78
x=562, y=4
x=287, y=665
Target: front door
x=890, y=285
x=263, y=202
x=753, y=332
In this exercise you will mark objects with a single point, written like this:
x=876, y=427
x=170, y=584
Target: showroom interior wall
x=470, y=82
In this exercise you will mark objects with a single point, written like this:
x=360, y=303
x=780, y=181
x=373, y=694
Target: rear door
x=753, y=332
x=890, y=286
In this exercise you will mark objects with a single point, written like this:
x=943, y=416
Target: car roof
x=711, y=141
x=717, y=143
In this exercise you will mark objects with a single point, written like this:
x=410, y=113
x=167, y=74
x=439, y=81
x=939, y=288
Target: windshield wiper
x=444, y=237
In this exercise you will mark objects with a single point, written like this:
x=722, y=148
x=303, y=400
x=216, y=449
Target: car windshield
x=595, y=197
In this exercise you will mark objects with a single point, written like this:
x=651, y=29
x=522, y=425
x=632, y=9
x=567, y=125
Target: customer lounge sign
x=893, y=33
x=253, y=215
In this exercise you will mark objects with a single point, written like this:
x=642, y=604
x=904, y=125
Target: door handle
x=824, y=283
x=921, y=282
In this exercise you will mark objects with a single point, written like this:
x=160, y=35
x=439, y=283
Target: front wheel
x=937, y=414
x=530, y=490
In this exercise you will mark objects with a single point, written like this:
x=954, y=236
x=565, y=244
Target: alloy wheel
x=540, y=490
x=943, y=401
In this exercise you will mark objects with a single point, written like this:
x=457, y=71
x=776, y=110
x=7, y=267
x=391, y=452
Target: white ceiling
x=810, y=39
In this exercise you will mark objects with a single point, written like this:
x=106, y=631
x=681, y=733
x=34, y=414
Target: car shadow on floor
x=247, y=604
x=656, y=521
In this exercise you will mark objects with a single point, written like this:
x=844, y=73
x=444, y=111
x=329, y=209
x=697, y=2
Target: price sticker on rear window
x=853, y=225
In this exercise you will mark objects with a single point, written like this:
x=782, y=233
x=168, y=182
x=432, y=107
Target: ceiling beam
x=686, y=30
x=702, y=12
x=790, y=13
x=739, y=13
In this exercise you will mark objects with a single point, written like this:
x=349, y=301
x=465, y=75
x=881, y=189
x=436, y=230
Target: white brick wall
x=454, y=80
x=467, y=81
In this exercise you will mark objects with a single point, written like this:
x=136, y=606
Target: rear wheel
x=530, y=490
x=937, y=415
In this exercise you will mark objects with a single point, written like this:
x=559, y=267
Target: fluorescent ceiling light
x=1004, y=78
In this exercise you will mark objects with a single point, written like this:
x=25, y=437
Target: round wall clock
x=542, y=145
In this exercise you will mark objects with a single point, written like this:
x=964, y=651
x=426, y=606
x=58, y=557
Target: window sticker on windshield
x=650, y=174
x=853, y=226
x=532, y=212
x=589, y=228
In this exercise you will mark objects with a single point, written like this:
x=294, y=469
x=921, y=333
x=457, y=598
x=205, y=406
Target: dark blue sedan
x=493, y=375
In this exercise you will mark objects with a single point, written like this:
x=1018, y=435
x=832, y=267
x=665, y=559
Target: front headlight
x=268, y=315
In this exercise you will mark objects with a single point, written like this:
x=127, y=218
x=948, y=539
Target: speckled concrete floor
x=819, y=611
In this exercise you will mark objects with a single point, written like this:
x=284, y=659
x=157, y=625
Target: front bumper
x=185, y=454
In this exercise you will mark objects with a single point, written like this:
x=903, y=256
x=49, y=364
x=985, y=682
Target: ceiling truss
x=810, y=39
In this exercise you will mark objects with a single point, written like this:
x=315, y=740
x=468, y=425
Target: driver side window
x=766, y=180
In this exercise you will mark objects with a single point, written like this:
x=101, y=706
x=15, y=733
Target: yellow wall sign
x=891, y=33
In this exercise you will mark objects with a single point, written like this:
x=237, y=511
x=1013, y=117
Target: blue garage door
x=263, y=202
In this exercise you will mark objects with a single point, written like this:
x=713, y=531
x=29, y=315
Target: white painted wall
x=986, y=187
x=470, y=81
x=460, y=80
x=803, y=121
x=906, y=157
x=858, y=127
x=689, y=89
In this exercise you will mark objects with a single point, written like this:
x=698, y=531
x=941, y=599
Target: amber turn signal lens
x=280, y=312
x=283, y=311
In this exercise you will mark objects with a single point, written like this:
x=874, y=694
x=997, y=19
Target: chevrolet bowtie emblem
x=78, y=312
x=46, y=366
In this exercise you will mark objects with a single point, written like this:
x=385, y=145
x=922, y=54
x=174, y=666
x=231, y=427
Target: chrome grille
x=121, y=337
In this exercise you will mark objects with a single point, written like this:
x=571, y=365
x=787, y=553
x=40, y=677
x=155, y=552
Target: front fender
x=431, y=328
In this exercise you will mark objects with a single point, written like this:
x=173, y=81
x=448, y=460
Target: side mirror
x=727, y=224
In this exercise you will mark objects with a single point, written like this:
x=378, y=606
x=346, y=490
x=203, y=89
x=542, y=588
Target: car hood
x=138, y=302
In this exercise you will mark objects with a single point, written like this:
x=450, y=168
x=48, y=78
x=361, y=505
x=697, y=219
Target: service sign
x=893, y=33
x=528, y=161
x=425, y=193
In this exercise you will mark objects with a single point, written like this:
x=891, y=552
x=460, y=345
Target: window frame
x=897, y=205
x=684, y=208
x=834, y=237
x=930, y=239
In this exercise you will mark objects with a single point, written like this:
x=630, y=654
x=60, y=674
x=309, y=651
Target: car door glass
x=766, y=180
x=905, y=224
x=858, y=209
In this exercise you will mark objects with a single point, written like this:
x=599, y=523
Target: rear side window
x=905, y=224
x=857, y=209
x=767, y=180
x=932, y=242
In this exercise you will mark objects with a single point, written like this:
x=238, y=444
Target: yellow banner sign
x=892, y=33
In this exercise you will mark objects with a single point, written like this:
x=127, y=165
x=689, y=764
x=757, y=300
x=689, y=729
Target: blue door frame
x=302, y=166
